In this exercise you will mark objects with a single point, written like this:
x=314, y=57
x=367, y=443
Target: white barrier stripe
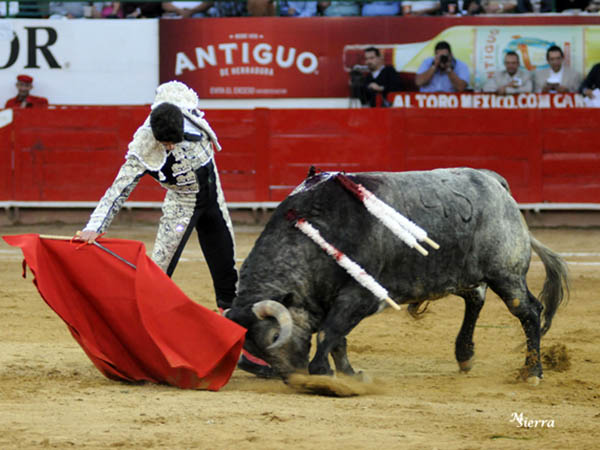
x=583, y=263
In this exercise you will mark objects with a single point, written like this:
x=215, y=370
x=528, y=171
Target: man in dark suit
x=591, y=82
x=380, y=80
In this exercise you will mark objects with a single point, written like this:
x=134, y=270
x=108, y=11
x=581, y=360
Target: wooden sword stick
x=100, y=246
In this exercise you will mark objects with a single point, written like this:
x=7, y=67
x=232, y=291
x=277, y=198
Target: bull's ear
x=286, y=300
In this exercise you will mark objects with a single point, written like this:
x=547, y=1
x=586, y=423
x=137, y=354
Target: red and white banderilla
x=406, y=230
x=355, y=271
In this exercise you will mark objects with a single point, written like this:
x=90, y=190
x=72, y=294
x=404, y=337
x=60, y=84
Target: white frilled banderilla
x=402, y=227
x=406, y=230
x=355, y=271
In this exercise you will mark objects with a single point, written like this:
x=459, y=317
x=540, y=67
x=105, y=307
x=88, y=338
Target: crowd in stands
x=262, y=8
x=442, y=72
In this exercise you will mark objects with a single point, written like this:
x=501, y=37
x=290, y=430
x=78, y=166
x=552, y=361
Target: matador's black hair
x=166, y=121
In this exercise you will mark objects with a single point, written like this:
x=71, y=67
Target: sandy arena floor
x=52, y=396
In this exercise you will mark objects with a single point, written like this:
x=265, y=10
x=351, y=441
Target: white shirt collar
x=377, y=72
x=556, y=77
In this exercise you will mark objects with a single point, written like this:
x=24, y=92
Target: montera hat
x=25, y=78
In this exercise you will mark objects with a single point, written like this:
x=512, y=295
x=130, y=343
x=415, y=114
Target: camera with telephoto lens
x=357, y=80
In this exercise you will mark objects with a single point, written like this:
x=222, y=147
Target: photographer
x=512, y=80
x=442, y=72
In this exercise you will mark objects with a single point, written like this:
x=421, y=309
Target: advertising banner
x=312, y=57
x=248, y=57
x=81, y=62
x=488, y=101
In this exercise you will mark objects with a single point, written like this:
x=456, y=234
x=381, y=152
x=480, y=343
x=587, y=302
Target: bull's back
x=467, y=212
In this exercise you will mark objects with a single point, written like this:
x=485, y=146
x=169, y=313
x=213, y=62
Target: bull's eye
x=275, y=337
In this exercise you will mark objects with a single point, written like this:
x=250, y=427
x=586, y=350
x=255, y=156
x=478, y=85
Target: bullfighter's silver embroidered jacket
x=176, y=171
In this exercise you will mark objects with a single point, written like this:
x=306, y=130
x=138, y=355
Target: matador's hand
x=86, y=236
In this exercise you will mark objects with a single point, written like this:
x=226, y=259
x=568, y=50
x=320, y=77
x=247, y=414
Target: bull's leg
x=340, y=358
x=320, y=362
x=348, y=310
x=464, y=347
x=523, y=305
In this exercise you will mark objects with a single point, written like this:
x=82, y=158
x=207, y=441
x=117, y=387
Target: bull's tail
x=556, y=285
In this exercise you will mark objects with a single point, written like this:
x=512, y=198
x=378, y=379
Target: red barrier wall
x=547, y=155
x=6, y=162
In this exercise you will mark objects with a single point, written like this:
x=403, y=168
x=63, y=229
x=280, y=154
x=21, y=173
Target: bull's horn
x=271, y=308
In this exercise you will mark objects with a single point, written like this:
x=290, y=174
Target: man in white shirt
x=512, y=80
x=558, y=77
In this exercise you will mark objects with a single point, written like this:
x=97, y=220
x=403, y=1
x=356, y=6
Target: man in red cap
x=23, y=99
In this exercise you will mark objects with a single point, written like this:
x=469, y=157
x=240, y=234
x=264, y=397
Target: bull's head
x=272, y=335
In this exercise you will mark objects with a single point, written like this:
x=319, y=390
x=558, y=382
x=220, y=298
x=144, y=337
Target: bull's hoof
x=315, y=369
x=465, y=366
x=533, y=380
x=363, y=377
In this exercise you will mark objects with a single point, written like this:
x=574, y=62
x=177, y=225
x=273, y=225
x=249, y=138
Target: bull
x=290, y=289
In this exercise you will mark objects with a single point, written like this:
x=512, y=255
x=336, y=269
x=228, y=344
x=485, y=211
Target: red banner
x=311, y=57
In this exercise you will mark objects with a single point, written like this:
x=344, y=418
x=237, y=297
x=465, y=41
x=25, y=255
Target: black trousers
x=215, y=237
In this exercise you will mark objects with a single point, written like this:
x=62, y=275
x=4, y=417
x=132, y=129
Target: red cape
x=134, y=324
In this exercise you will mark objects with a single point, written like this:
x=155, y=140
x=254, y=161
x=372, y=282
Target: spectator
x=590, y=87
x=512, y=80
x=185, y=10
x=557, y=5
x=420, y=7
x=338, y=9
x=564, y=5
x=23, y=98
x=442, y=72
x=558, y=77
x=261, y=8
x=381, y=9
x=220, y=9
x=501, y=7
x=108, y=10
x=72, y=10
x=150, y=10
x=594, y=6
x=297, y=9
x=381, y=79
x=469, y=7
